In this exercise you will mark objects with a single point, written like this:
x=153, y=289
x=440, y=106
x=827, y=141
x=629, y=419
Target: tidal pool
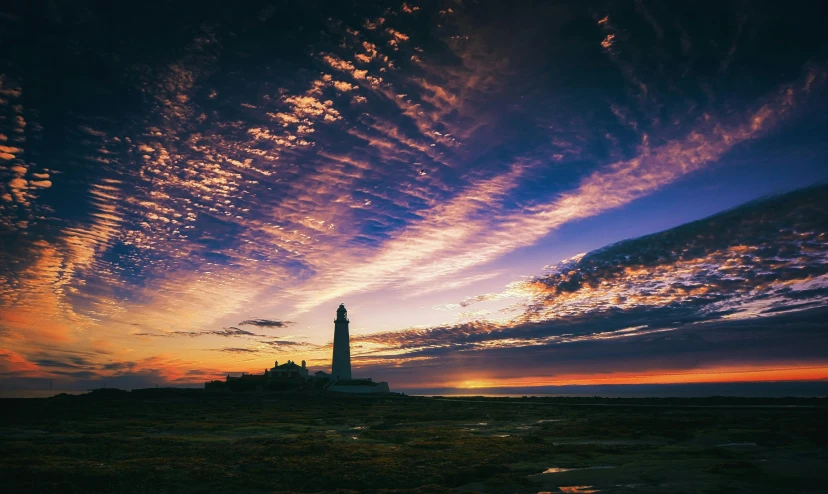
x=583, y=489
x=561, y=470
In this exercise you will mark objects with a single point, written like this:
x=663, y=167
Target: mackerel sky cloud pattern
x=190, y=194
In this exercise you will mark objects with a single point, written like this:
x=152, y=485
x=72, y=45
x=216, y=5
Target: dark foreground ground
x=192, y=441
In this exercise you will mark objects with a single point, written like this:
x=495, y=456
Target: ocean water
x=777, y=389
x=492, y=395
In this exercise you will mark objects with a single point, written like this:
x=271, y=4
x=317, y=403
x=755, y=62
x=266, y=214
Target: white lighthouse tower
x=341, y=365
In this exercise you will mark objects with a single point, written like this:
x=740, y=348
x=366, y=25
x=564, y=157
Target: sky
x=501, y=193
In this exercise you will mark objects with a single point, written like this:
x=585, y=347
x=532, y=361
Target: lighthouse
x=341, y=365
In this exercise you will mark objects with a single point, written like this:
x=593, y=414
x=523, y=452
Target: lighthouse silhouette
x=341, y=365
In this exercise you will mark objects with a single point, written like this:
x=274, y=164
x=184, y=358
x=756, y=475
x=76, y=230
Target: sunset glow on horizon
x=713, y=375
x=501, y=196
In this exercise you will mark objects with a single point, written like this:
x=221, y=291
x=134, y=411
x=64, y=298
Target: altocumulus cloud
x=410, y=149
x=750, y=284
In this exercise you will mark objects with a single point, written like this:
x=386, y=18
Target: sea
x=777, y=389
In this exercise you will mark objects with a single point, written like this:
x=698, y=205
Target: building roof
x=288, y=365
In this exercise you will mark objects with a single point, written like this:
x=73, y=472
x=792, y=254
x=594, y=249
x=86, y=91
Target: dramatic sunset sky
x=190, y=189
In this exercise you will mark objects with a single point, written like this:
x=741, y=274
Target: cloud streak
x=225, y=332
x=265, y=323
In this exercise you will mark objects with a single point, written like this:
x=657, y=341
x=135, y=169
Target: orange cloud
x=13, y=363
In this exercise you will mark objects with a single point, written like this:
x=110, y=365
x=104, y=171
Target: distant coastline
x=778, y=389
x=37, y=393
